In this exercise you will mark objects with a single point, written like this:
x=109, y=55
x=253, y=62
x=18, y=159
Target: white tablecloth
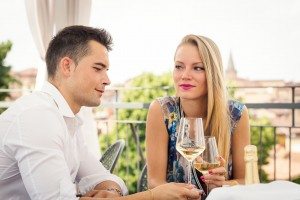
x=276, y=190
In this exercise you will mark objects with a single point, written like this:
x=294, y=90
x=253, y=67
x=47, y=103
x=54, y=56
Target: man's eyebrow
x=101, y=64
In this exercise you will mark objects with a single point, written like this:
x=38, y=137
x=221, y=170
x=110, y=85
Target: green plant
x=5, y=77
x=262, y=136
x=296, y=180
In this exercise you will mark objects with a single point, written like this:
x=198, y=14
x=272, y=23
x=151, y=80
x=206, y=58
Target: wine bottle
x=251, y=170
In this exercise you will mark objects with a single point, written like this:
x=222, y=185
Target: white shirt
x=42, y=150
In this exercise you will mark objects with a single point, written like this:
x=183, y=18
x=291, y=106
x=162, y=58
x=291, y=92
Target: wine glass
x=190, y=140
x=209, y=158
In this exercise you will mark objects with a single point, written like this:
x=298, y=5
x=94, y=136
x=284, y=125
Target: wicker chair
x=142, y=184
x=110, y=156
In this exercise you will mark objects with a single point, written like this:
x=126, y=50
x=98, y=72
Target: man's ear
x=66, y=66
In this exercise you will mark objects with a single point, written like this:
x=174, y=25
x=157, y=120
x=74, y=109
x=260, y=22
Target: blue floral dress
x=177, y=165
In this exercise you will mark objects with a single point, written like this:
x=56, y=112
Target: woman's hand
x=216, y=177
x=173, y=191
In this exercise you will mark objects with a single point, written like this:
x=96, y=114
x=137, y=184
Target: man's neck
x=63, y=91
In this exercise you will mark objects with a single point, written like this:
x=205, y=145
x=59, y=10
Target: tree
x=5, y=77
x=151, y=87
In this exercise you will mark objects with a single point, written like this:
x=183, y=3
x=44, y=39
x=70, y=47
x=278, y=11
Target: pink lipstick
x=186, y=86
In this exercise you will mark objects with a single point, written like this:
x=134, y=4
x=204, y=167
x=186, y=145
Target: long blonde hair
x=218, y=118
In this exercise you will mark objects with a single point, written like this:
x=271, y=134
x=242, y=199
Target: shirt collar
x=62, y=104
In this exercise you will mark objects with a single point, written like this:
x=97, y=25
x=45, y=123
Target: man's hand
x=102, y=193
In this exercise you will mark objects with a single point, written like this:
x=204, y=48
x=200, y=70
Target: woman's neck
x=194, y=108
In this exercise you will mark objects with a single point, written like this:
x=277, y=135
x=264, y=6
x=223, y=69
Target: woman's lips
x=186, y=86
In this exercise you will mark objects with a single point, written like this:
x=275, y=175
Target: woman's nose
x=186, y=74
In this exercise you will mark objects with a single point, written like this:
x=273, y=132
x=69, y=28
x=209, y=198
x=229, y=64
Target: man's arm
x=92, y=175
x=106, y=189
x=168, y=191
x=110, y=186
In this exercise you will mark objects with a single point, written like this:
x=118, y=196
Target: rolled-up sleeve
x=91, y=172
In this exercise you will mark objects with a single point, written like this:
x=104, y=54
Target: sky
x=262, y=35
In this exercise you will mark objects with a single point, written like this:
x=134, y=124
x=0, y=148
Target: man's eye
x=97, y=69
x=178, y=66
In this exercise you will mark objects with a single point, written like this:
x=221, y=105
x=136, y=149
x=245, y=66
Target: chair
x=110, y=156
x=142, y=184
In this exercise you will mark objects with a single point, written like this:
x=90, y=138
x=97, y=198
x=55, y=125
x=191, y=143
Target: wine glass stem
x=189, y=172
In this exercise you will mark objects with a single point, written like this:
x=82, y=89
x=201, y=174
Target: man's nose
x=106, y=80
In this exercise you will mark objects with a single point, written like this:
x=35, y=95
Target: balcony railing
x=290, y=129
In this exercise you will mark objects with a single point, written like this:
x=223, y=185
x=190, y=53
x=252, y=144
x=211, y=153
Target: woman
x=200, y=92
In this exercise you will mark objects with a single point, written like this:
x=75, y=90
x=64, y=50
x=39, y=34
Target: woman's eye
x=199, y=68
x=178, y=67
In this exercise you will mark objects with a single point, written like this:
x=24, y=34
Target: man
x=42, y=151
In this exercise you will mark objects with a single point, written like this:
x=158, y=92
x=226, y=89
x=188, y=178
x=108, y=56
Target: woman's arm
x=241, y=138
x=156, y=146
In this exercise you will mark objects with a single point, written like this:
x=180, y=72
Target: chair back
x=142, y=184
x=111, y=155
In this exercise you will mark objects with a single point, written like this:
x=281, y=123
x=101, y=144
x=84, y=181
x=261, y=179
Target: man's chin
x=93, y=104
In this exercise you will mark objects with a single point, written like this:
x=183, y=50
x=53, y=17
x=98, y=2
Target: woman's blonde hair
x=218, y=118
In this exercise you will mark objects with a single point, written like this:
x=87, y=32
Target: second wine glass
x=190, y=141
x=209, y=158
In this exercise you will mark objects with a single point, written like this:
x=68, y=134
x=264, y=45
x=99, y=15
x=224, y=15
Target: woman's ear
x=65, y=66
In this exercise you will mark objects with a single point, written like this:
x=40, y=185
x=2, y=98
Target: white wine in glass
x=205, y=166
x=190, y=141
x=209, y=158
x=189, y=152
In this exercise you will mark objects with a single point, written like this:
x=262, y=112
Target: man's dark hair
x=72, y=41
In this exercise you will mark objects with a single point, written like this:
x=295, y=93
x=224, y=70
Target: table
x=276, y=190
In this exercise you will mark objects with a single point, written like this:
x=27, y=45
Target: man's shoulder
x=29, y=102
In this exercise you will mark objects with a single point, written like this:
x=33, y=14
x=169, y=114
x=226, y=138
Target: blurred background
x=259, y=42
